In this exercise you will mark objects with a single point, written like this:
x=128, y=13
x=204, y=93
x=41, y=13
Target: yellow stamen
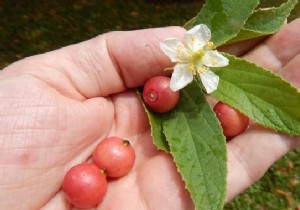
x=202, y=69
x=193, y=38
x=209, y=45
x=191, y=69
x=169, y=68
x=180, y=51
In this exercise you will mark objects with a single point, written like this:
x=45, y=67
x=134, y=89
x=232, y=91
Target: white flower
x=193, y=57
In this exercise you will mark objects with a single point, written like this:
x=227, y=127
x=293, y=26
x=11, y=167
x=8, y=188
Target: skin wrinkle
x=243, y=161
x=74, y=92
x=58, y=202
x=284, y=42
x=290, y=71
x=40, y=188
x=140, y=178
x=114, y=61
x=117, y=113
x=125, y=66
x=48, y=70
x=264, y=51
x=109, y=103
x=103, y=41
x=26, y=179
x=66, y=69
x=138, y=181
x=93, y=62
x=115, y=117
x=30, y=156
x=79, y=61
x=51, y=81
x=141, y=195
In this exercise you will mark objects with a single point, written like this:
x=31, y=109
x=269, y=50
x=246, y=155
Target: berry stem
x=126, y=142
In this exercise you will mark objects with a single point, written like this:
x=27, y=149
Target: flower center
x=197, y=56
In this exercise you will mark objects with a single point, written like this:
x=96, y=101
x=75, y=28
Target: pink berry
x=84, y=185
x=115, y=156
x=232, y=121
x=158, y=96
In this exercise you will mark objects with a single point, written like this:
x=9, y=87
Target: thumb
x=104, y=65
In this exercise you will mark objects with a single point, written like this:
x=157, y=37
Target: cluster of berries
x=85, y=184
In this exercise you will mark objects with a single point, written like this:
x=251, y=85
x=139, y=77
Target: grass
x=31, y=27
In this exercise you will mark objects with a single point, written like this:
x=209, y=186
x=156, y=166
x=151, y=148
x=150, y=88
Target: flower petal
x=201, y=31
x=214, y=59
x=196, y=37
x=192, y=42
x=173, y=48
x=180, y=77
x=209, y=80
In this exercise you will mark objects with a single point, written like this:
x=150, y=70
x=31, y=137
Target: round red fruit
x=232, y=121
x=84, y=185
x=158, y=95
x=115, y=156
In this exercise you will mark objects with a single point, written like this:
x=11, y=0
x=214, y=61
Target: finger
x=279, y=49
x=240, y=48
x=107, y=64
x=251, y=154
x=291, y=71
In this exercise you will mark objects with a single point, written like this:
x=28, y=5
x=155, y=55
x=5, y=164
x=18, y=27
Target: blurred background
x=28, y=27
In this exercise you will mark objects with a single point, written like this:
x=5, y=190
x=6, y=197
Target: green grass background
x=28, y=27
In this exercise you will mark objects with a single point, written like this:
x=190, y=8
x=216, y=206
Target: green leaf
x=198, y=147
x=159, y=138
x=265, y=21
x=155, y=121
x=260, y=94
x=224, y=18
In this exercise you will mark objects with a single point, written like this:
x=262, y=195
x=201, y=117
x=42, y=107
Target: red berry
x=115, y=156
x=84, y=185
x=158, y=95
x=232, y=121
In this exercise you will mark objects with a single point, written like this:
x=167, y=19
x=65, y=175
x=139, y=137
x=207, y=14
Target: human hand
x=57, y=106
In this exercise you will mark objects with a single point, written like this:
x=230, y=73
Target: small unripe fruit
x=84, y=185
x=158, y=96
x=232, y=121
x=115, y=156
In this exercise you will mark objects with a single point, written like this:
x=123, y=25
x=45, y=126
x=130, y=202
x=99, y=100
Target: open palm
x=57, y=106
